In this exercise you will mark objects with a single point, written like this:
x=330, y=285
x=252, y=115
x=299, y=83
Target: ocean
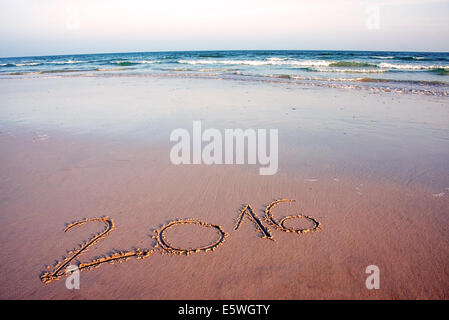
x=404, y=72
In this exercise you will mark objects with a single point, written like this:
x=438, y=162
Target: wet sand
x=373, y=169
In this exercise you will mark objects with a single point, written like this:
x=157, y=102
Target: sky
x=52, y=27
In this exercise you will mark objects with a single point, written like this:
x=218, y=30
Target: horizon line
x=212, y=50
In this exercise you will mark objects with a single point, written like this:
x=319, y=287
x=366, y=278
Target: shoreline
x=337, y=83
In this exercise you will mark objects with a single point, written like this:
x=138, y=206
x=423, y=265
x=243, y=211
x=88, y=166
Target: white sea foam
x=276, y=59
x=27, y=64
x=410, y=66
x=270, y=61
x=148, y=61
x=311, y=63
x=318, y=65
x=226, y=62
x=68, y=62
x=347, y=70
x=382, y=57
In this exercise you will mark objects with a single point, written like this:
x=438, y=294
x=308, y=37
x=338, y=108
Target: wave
x=275, y=59
x=195, y=69
x=28, y=64
x=68, y=62
x=382, y=57
x=351, y=64
x=311, y=63
x=317, y=65
x=147, y=61
x=124, y=63
x=412, y=58
x=411, y=66
x=226, y=62
x=405, y=58
x=440, y=71
x=346, y=70
x=269, y=61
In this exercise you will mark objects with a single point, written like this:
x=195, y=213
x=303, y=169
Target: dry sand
x=373, y=169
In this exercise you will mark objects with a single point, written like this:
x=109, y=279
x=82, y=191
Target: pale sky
x=50, y=27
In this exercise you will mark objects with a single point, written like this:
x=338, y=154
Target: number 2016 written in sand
x=164, y=246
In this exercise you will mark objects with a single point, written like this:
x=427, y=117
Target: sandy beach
x=371, y=167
